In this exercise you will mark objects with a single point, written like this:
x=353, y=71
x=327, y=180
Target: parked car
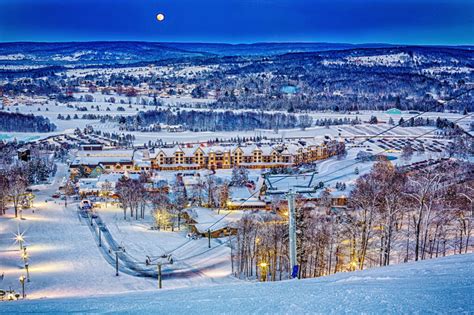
x=85, y=204
x=56, y=196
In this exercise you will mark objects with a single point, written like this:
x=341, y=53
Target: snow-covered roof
x=190, y=180
x=142, y=157
x=96, y=160
x=266, y=150
x=207, y=218
x=106, y=153
x=143, y=163
x=88, y=184
x=111, y=177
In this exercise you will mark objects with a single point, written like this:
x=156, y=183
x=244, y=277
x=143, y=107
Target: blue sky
x=240, y=21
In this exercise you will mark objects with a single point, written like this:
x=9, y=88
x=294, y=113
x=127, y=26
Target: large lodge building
x=193, y=157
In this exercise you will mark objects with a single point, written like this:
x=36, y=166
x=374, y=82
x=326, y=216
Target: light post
x=27, y=272
x=209, y=238
x=100, y=237
x=263, y=266
x=116, y=262
x=10, y=296
x=19, y=239
x=22, y=281
x=231, y=255
x=159, y=276
x=24, y=255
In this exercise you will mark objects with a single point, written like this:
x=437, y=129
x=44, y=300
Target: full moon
x=160, y=17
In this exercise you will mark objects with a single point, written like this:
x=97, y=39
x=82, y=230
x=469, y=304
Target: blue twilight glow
x=235, y=21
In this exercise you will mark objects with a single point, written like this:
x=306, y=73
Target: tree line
x=216, y=120
x=16, y=178
x=392, y=217
x=16, y=122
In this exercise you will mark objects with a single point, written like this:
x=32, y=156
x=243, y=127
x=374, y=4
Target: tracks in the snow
x=127, y=264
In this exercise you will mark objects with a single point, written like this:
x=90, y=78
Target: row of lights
x=24, y=256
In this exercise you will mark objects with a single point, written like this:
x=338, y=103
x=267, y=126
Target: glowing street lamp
x=24, y=255
x=22, y=281
x=353, y=265
x=11, y=296
x=263, y=266
x=19, y=238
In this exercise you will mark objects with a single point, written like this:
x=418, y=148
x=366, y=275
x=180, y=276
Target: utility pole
x=100, y=237
x=231, y=255
x=209, y=237
x=159, y=275
x=292, y=232
x=116, y=264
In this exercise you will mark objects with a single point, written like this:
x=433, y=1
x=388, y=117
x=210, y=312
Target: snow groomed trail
x=128, y=264
x=63, y=258
x=443, y=285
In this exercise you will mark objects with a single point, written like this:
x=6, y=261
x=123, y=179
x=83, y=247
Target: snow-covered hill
x=443, y=285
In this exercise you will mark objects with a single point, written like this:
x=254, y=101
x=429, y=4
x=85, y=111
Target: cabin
x=201, y=220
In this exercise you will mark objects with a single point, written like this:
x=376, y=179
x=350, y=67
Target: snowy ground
x=194, y=263
x=443, y=285
x=334, y=170
x=65, y=260
x=177, y=103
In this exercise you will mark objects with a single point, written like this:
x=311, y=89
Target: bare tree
x=4, y=192
x=106, y=189
x=125, y=194
x=407, y=152
x=362, y=210
x=18, y=186
x=391, y=182
x=198, y=191
x=223, y=195
x=211, y=187
x=180, y=200
x=422, y=190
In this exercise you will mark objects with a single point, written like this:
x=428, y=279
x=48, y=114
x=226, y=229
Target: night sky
x=448, y=22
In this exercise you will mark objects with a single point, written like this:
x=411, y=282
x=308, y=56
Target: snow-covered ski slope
x=443, y=285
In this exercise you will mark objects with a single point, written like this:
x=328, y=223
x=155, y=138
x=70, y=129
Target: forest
x=393, y=217
x=16, y=176
x=16, y=122
x=408, y=78
x=216, y=120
